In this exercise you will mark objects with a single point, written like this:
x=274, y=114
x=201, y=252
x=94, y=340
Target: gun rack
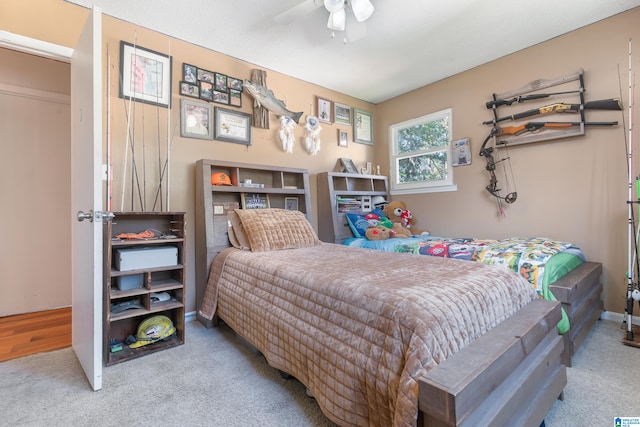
x=535, y=87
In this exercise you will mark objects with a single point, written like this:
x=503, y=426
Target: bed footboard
x=510, y=376
x=579, y=292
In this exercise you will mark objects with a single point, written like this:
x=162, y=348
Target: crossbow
x=492, y=188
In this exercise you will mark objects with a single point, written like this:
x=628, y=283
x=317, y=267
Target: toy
x=379, y=232
x=401, y=231
x=398, y=213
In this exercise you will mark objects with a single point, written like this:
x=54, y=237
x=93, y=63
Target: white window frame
x=424, y=186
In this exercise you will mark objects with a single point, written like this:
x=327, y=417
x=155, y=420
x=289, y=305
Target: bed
x=383, y=339
x=556, y=270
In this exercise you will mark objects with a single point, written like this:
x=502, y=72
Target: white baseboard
x=618, y=317
x=190, y=316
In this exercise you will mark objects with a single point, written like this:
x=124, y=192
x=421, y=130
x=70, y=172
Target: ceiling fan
x=359, y=12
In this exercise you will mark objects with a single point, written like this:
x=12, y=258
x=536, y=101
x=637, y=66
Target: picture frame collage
x=331, y=112
x=211, y=86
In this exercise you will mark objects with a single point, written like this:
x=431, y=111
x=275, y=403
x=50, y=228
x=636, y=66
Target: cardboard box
x=145, y=257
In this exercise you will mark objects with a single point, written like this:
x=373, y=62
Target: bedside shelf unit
x=169, y=279
x=279, y=186
x=333, y=189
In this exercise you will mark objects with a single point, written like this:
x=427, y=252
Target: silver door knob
x=81, y=216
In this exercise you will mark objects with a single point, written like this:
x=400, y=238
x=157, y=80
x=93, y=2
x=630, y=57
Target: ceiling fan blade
x=303, y=8
x=355, y=30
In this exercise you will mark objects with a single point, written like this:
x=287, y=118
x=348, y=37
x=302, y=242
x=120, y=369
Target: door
x=86, y=197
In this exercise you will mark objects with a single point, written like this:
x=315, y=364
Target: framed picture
x=348, y=166
x=362, y=127
x=232, y=126
x=189, y=73
x=220, y=97
x=205, y=76
x=323, y=110
x=206, y=90
x=342, y=138
x=189, y=89
x=255, y=201
x=341, y=114
x=221, y=82
x=235, y=83
x=461, y=152
x=291, y=203
x=145, y=75
x=196, y=119
x=235, y=97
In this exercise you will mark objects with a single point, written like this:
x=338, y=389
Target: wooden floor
x=31, y=333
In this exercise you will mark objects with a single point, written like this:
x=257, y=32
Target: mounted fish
x=265, y=98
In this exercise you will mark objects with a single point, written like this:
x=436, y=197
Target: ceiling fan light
x=337, y=20
x=362, y=9
x=333, y=5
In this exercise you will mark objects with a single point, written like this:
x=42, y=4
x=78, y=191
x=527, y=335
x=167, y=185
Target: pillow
x=236, y=232
x=275, y=229
x=358, y=224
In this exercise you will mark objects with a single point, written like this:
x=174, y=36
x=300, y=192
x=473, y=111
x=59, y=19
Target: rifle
x=604, y=104
x=537, y=126
x=519, y=99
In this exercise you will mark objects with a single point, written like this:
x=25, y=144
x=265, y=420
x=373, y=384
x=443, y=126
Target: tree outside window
x=420, y=151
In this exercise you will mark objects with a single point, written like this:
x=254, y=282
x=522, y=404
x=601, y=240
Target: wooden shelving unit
x=169, y=279
x=335, y=186
x=282, y=187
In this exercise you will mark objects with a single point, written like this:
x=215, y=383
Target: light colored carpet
x=215, y=379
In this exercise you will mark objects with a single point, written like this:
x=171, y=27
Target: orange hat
x=220, y=178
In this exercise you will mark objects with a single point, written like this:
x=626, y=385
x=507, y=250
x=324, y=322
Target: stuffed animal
x=379, y=232
x=400, y=230
x=398, y=213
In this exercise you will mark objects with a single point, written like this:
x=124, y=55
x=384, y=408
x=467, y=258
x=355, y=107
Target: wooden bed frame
x=510, y=376
x=579, y=291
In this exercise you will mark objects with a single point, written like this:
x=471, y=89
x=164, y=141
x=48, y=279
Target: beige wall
x=35, y=249
x=572, y=189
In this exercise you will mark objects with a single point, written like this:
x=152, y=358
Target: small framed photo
x=235, y=97
x=145, y=75
x=196, y=119
x=220, y=97
x=221, y=82
x=206, y=90
x=232, y=126
x=324, y=110
x=235, y=83
x=342, y=138
x=205, y=76
x=341, y=114
x=348, y=166
x=255, y=201
x=189, y=73
x=291, y=203
x=189, y=89
x=362, y=127
x=461, y=152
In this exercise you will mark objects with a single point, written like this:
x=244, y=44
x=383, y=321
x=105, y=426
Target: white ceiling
x=409, y=43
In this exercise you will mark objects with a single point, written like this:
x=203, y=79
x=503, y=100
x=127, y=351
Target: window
x=420, y=154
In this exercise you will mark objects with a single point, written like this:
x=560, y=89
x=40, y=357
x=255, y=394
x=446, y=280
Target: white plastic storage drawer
x=147, y=257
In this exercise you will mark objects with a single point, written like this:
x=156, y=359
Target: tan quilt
x=359, y=327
